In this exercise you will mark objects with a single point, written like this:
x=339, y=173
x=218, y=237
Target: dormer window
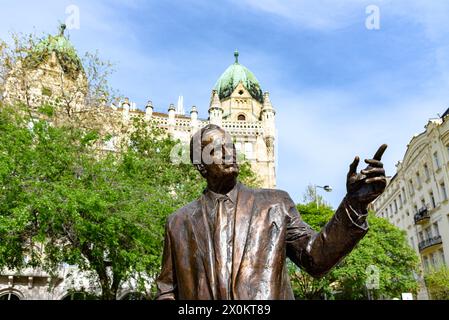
x=241, y=117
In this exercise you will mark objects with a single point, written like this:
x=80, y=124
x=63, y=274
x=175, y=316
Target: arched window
x=241, y=117
x=9, y=296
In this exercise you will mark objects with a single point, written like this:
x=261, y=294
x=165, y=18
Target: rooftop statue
x=232, y=243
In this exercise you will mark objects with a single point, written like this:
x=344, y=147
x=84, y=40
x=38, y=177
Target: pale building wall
x=421, y=183
x=35, y=284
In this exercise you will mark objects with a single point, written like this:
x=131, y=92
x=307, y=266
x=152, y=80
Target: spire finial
x=62, y=28
x=236, y=55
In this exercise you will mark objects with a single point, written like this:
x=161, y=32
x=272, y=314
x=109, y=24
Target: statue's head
x=213, y=153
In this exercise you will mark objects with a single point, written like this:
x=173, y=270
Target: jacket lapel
x=243, y=215
x=202, y=234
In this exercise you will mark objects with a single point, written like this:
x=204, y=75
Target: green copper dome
x=235, y=74
x=64, y=50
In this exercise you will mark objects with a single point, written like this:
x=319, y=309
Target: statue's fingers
x=374, y=163
x=376, y=180
x=380, y=152
x=373, y=171
x=353, y=166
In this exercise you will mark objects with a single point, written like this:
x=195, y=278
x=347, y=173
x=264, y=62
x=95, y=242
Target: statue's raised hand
x=366, y=186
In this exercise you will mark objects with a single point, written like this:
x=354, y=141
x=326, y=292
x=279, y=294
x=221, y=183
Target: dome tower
x=50, y=73
x=239, y=93
x=239, y=106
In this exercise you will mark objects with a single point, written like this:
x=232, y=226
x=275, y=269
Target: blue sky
x=339, y=89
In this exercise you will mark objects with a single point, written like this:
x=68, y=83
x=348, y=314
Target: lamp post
x=325, y=188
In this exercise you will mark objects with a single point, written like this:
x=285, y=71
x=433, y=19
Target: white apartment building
x=416, y=197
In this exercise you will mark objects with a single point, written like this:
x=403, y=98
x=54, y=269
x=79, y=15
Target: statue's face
x=219, y=156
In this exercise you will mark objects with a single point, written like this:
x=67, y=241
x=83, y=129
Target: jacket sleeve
x=166, y=282
x=318, y=252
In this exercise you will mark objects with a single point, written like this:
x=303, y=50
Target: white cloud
x=325, y=15
x=328, y=15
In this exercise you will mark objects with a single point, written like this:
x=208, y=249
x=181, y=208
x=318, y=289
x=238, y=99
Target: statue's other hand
x=366, y=186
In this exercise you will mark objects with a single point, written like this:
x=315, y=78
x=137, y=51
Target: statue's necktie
x=222, y=249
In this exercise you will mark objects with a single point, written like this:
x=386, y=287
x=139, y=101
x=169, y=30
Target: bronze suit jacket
x=268, y=228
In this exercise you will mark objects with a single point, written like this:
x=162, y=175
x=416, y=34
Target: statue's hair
x=196, y=143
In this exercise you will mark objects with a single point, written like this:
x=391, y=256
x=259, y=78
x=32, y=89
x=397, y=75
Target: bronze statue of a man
x=233, y=241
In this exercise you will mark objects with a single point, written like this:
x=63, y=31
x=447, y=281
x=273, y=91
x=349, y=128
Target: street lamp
x=325, y=188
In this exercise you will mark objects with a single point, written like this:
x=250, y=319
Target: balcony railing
x=422, y=215
x=429, y=242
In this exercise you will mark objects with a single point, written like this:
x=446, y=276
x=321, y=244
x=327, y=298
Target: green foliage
x=47, y=110
x=437, y=282
x=384, y=247
x=305, y=287
x=63, y=202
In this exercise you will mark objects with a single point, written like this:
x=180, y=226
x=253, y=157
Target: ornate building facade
x=416, y=197
x=53, y=74
x=238, y=105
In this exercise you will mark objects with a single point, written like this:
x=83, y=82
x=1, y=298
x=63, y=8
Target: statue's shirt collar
x=231, y=195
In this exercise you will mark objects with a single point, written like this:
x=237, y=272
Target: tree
x=63, y=199
x=383, y=249
x=305, y=287
x=63, y=202
x=437, y=282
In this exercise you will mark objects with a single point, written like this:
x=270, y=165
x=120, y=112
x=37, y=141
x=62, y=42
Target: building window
x=249, y=150
x=437, y=160
x=412, y=242
x=238, y=149
x=443, y=191
x=395, y=206
x=426, y=263
x=405, y=196
x=433, y=260
x=442, y=259
x=241, y=117
x=423, y=203
x=435, y=229
x=418, y=180
x=238, y=146
x=400, y=201
x=432, y=199
x=412, y=189
x=427, y=172
x=420, y=236
x=428, y=232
